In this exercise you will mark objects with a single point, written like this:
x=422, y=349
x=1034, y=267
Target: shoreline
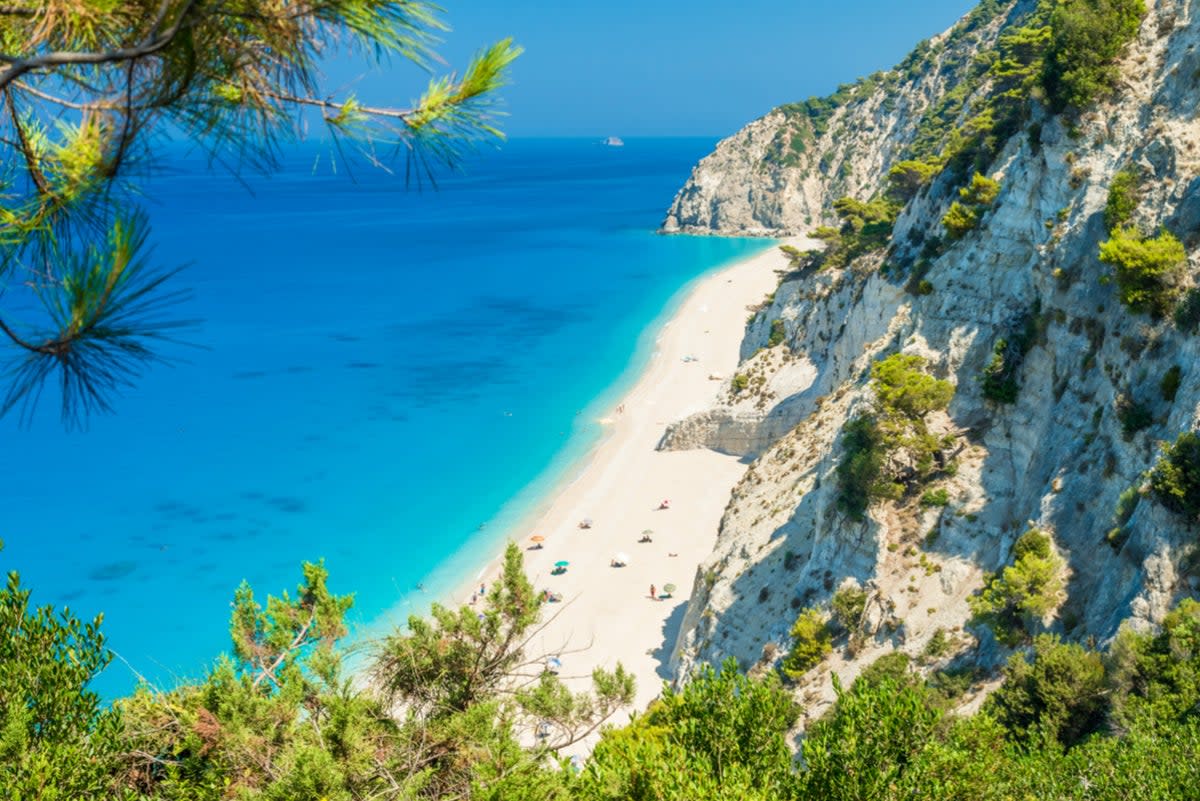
x=607, y=615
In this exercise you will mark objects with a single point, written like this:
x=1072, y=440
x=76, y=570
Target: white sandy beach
x=609, y=611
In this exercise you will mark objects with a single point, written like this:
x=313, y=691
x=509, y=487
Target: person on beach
x=482, y=590
x=653, y=594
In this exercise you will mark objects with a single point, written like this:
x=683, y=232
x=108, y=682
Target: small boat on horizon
x=613, y=141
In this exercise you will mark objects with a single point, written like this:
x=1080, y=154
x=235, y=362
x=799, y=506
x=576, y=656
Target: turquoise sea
x=384, y=377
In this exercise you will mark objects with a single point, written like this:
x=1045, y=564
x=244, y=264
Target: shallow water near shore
x=382, y=372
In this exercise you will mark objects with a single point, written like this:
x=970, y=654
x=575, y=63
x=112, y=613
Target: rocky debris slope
x=1056, y=458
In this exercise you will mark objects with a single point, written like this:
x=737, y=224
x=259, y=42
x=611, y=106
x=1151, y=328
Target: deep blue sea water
x=381, y=371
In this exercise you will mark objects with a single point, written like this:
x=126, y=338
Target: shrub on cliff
x=811, y=641
x=1169, y=385
x=1147, y=270
x=981, y=191
x=1025, y=591
x=902, y=386
x=959, y=220
x=1133, y=415
x=777, y=335
x=976, y=196
x=865, y=227
x=886, y=452
x=1086, y=39
x=848, y=605
x=1175, y=479
x=1122, y=200
x=907, y=178
x=860, y=471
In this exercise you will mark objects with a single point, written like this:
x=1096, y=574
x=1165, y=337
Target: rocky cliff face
x=778, y=175
x=1056, y=458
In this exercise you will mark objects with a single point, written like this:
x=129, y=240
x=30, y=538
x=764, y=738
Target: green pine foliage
x=977, y=196
x=865, y=228
x=1175, y=479
x=848, y=605
x=907, y=178
x=721, y=736
x=91, y=90
x=1086, y=39
x=1015, y=600
x=1147, y=269
x=1123, y=199
x=890, y=450
x=1057, y=689
x=811, y=641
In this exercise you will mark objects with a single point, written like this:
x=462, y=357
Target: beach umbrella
x=537, y=538
x=587, y=521
x=562, y=563
x=648, y=532
x=668, y=588
x=621, y=557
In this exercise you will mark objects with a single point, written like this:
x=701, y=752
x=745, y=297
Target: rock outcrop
x=1057, y=458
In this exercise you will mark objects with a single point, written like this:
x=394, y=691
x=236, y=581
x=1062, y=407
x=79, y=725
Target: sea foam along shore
x=607, y=614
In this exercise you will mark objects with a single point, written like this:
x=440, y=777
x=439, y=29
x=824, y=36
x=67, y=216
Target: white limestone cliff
x=1056, y=458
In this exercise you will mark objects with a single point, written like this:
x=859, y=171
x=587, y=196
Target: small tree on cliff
x=87, y=87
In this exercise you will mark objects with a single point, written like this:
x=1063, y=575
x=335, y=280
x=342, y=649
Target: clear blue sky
x=671, y=67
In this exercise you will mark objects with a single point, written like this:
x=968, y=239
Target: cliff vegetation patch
x=1018, y=597
x=890, y=450
x=1148, y=270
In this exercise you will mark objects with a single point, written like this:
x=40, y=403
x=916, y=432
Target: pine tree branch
x=151, y=45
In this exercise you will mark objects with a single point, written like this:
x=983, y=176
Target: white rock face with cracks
x=1056, y=458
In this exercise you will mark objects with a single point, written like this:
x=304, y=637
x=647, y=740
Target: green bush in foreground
x=721, y=736
x=1125, y=721
x=1147, y=270
x=1057, y=689
x=1175, y=479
